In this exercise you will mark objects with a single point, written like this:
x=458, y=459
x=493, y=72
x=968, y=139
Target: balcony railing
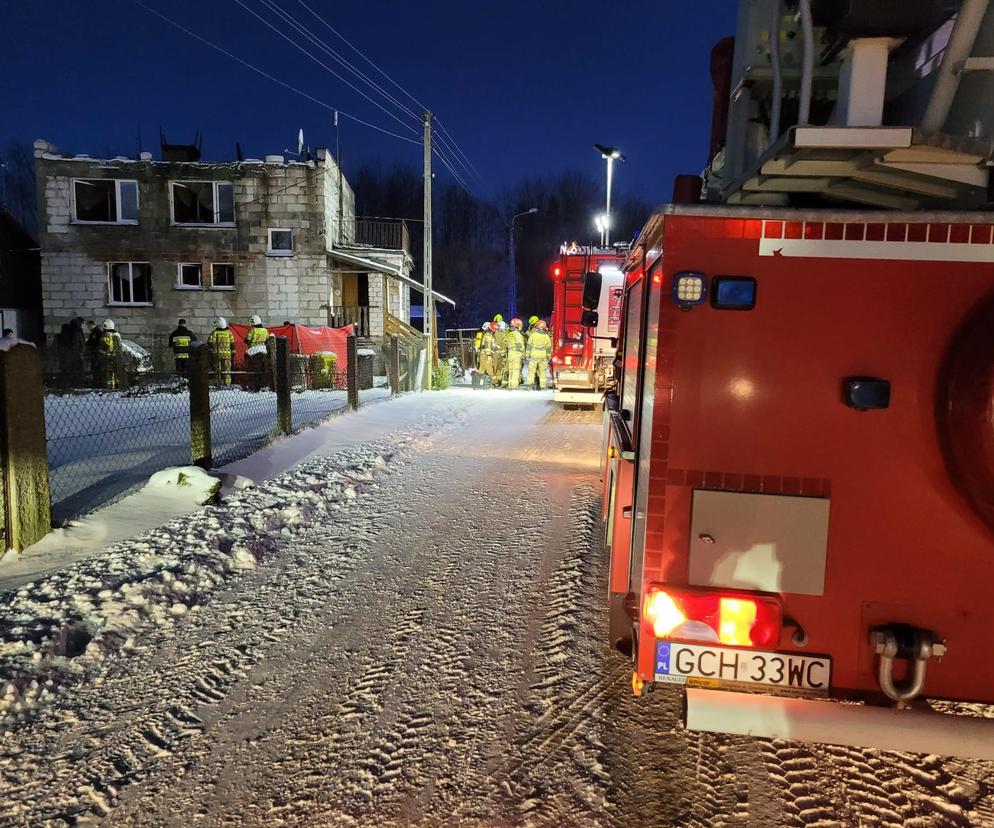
x=382, y=234
x=341, y=315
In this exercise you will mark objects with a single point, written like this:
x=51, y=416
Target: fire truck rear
x=799, y=461
x=582, y=358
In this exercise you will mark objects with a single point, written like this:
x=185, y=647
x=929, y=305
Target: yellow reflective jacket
x=539, y=345
x=221, y=341
x=108, y=343
x=488, y=343
x=515, y=342
x=256, y=336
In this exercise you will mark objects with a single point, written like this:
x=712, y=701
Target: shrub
x=441, y=376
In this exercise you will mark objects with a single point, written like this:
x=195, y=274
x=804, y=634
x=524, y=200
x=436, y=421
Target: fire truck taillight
x=737, y=619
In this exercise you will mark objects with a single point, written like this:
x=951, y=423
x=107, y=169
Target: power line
x=326, y=67
x=363, y=56
x=323, y=45
x=266, y=75
x=455, y=149
x=441, y=126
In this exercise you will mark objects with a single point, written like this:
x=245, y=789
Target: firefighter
x=109, y=355
x=515, y=353
x=532, y=320
x=478, y=342
x=488, y=347
x=500, y=353
x=222, y=344
x=182, y=340
x=539, y=351
x=255, y=353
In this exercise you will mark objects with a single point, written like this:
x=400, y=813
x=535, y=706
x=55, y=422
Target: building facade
x=147, y=242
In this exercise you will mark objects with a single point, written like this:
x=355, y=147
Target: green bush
x=441, y=376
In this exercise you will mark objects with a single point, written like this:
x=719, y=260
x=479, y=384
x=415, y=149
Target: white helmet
x=502, y=325
x=109, y=325
x=221, y=322
x=256, y=320
x=485, y=326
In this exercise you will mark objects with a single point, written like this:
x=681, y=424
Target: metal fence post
x=352, y=372
x=281, y=372
x=394, y=365
x=26, y=497
x=198, y=376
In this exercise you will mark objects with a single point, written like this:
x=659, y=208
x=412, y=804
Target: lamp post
x=600, y=222
x=512, y=292
x=609, y=154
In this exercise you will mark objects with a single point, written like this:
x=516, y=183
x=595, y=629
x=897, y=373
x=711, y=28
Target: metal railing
x=382, y=234
x=341, y=315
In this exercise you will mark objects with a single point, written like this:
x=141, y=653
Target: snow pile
x=60, y=628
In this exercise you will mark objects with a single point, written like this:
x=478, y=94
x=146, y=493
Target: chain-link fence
x=104, y=443
x=112, y=425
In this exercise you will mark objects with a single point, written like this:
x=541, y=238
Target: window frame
x=271, y=251
x=117, y=197
x=179, y=276
x=214, y=187
x=111, y=302
x=234, y=282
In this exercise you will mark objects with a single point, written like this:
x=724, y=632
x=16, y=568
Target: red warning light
x=657, y=278
x=557, y=271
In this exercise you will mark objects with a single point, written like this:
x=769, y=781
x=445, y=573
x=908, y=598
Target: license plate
x=701, y=665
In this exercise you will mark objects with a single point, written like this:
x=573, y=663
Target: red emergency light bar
x=734, y=618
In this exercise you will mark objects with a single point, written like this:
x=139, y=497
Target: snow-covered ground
x=405, y=628
x=102, y=445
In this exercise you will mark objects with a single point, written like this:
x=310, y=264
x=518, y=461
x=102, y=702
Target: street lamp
x=600, y=222
x=512, y=292
x=609, y=154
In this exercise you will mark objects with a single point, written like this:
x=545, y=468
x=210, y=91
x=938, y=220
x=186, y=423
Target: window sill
x=280, y=254
x=83, y=223
x=130, y=305
x=221, y=225
x=189, y=287
x=224, y=287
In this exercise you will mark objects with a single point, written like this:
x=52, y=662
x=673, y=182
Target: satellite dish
x=300, y=142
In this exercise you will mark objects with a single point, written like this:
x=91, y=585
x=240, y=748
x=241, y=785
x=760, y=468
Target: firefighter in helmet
x=255, y=353
x=500, y=355
x=487, y=350
x=222, y=344
x=109, y=357
x=515, y=353
x=182, y=340
x=532, y=321
x=539, y=352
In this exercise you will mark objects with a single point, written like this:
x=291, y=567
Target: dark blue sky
x=525, y=87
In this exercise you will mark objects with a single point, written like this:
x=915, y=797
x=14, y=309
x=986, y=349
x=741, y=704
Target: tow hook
x=899, y=641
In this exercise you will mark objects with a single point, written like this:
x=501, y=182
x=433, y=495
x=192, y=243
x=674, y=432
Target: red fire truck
x=582, y=359
x=799, y=458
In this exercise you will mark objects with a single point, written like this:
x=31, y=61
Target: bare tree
x=17, y=183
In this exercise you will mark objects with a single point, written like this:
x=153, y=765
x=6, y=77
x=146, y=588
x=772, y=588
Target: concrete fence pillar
x=394, y=357
x=281, y=377
x=198, y=375
x=352, y=372
x=26, y=497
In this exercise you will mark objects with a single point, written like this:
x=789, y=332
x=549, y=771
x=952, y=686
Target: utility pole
x=429, y=299
x=512, y=273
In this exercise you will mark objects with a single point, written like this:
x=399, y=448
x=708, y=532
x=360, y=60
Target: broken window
x=130, y=283
x=222, y=275
x=280, y=242
x=203, y=202
x=105, y=201
x=189, y=276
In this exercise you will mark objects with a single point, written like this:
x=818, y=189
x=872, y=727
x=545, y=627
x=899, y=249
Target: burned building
x=146, y=242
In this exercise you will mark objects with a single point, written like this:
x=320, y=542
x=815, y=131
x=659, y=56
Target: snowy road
x=413, y=635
